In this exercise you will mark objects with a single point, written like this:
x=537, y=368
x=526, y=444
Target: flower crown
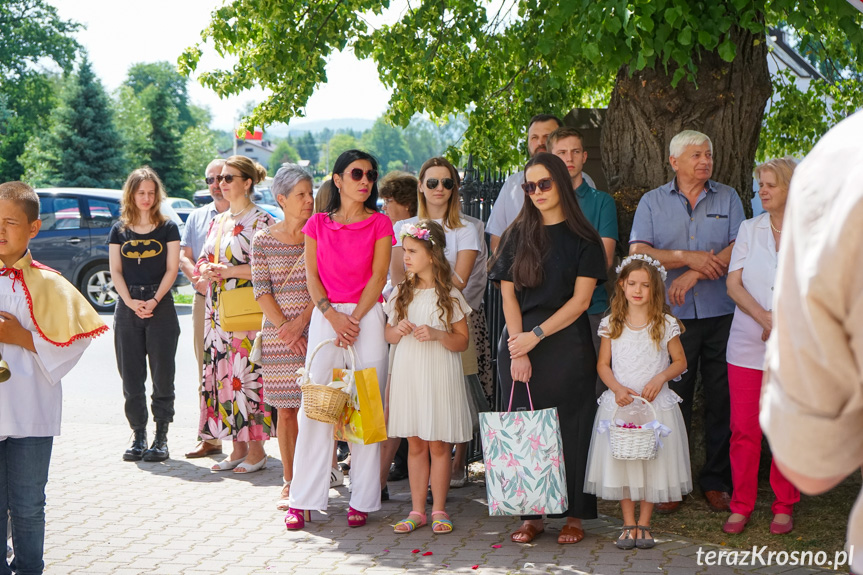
x=645, y=258
x=416, y=232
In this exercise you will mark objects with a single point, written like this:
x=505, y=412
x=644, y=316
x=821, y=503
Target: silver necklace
x=626, y=321
x=234, y=215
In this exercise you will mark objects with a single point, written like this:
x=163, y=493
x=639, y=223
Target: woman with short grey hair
x=279, y=278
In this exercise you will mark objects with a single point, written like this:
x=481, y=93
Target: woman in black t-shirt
x=549, y=262
x=144, y=256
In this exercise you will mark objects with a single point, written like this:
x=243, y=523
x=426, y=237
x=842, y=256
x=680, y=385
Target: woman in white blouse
x=751, y=275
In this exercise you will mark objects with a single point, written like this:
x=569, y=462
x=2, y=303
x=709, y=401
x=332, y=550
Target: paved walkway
x=110, y=516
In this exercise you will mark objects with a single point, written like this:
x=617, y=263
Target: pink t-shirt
x=346, y=252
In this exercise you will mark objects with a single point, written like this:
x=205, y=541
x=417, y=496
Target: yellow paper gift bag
x=363, y=418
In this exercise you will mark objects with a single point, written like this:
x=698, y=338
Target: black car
x=74, y=239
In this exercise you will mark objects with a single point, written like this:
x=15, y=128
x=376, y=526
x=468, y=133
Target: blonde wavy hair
x=129, y=212
x=657, y=308
x=443, y=285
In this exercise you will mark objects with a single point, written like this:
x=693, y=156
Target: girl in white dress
x=637, y=339
x=428, y=400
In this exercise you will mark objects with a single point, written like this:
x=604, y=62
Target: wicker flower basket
x=321, y=402
x=631, y=444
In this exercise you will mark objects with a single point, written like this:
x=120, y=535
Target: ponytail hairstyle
x=657, y=308
x=342, y=162
x=431, y=236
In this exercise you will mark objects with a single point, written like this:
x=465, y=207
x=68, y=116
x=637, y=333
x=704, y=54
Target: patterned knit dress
x=279, y=269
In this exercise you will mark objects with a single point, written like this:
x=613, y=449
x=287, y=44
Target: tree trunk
x=645, y=112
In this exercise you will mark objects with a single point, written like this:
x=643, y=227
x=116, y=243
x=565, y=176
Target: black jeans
x=704, y=343
x=137, y=341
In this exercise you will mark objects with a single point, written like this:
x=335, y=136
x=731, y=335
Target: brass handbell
x=5, y=372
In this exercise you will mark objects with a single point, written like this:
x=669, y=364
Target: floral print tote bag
x=523, y=455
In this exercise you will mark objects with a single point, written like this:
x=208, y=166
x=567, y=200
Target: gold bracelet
x=283, y=323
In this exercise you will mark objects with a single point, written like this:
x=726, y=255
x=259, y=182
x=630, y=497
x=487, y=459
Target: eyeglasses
x=210, y=181
x=357, y=175
x=544, y=185
x=229, y=178
x=432, y=183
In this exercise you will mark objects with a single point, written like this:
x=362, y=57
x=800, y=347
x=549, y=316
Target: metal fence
x=479, y=190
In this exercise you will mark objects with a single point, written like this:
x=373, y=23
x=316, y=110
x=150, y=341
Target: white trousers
x=314, y=451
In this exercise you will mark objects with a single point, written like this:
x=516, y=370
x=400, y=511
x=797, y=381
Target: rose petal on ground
x=496, y=546
x=474, y=566
x=415, y=551
x=427, y=553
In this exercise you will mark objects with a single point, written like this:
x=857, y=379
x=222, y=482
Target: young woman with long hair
x=144, y=257
x=549, y=262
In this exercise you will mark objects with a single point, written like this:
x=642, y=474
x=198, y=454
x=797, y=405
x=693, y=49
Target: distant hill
x=300, y=127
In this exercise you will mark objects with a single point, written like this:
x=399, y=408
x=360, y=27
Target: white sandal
x=246, y=468
x=282, y=504
x=227, y=464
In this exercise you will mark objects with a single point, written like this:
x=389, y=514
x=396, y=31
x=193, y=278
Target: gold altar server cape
x=60, y=312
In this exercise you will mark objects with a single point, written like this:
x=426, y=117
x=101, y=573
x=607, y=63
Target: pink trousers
x=745, y=392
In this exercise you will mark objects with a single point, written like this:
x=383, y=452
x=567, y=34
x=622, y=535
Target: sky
x=119, y=34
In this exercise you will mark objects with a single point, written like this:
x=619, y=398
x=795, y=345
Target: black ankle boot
x=139, y=444
x=159, y=450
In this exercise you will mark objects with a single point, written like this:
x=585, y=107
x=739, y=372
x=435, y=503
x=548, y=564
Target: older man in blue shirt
x=690, y=225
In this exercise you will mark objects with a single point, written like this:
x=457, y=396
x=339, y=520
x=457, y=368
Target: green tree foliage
x=197, y=149
x=283, y=153
x=505, y=61
x=32, y=34
x=165, y=78
x=387, y=144
x=83, y=148
x=132, y=118
x=164, y=151
x=339, y=143
x=307, y=148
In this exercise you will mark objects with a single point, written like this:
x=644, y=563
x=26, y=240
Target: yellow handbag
x=238, y=309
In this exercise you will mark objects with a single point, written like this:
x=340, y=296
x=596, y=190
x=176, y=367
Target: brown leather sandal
x=570, y=531
x=525, y=534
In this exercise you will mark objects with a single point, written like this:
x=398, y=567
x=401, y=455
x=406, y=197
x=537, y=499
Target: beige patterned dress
x=279, y=269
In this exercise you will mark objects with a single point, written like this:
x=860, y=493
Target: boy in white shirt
x=45, y=326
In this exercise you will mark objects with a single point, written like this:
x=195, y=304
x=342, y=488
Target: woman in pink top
x=347, y=256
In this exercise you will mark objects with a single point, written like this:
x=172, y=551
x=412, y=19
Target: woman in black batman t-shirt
x=144, y=255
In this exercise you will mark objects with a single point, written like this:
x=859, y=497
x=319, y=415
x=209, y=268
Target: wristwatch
x=537, y=331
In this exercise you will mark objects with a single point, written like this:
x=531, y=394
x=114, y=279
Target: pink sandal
x=298, y=518
x=363, y=516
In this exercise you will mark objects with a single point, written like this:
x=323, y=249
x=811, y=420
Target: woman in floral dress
x=279, y=275
x=232, y=399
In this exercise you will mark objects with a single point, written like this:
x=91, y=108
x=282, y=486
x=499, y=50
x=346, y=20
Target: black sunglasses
x=357, y=175
x=229, y=178
x=432, y=183
x=210, y=181
x=544, y=185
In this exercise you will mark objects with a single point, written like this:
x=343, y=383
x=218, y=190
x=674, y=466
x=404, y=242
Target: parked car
x=182, y=206
x=262, y=196
x=74, y=239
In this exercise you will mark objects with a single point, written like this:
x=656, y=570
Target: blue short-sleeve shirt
x=665, y=220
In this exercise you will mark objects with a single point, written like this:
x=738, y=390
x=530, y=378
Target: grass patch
x=183, y=298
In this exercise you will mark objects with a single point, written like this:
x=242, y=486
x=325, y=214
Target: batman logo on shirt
x=141, y=249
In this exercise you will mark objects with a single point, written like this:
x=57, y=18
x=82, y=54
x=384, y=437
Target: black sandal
x=642, y=542
x=625, y=541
